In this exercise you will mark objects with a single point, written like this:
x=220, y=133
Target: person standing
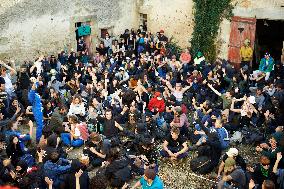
x=35, y=100
x=246, y=54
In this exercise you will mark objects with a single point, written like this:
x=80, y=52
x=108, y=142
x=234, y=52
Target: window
x=143, y=19
x=103, y=32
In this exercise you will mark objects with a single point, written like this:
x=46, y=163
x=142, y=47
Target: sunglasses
x=265, y=165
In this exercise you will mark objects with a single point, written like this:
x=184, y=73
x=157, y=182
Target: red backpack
x=83, y=130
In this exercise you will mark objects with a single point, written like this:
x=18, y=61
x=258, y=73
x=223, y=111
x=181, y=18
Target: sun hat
x=232, y=152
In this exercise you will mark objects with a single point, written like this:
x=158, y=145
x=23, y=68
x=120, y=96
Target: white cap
x=232, y=152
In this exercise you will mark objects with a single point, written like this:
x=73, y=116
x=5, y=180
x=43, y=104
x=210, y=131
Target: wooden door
x=241, y=29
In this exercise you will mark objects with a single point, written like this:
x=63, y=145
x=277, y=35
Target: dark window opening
x=103, y=33
x=269, y=38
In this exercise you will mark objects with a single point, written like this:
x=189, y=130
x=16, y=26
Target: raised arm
x=12, y=70
x=170, y=86
x=214, y=90
x=233, y=107
x=278, y=159
x=186, y=88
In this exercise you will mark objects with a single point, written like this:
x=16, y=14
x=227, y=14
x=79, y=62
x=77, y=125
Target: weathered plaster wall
x=260, y=9
x=31, y=27
x=174, y=17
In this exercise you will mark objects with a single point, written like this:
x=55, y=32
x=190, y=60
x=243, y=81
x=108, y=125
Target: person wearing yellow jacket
x=246, y=54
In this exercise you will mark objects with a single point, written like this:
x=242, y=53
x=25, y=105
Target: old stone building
x=32, y=27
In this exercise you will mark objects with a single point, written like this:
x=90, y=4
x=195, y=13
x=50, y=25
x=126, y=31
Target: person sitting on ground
x=97, y=149
x=174, y=146
x=232, y=153
x=13, y=125
x=266, y=66
x=232, y=174
x=77, y=107
x=178, y=91
x=262, y=171
x=157, y=104
x=55, y=168
x=73, y=136
x=149, y=181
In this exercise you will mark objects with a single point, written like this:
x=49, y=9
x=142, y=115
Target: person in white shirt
x=9, y=88
x=77, y=107
x=72, y=136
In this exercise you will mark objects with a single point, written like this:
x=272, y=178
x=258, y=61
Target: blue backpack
x=29, y=159
x=224, y=137
x=160, y=121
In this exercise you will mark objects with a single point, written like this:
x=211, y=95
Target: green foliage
x=208, y=16
x=173, y=48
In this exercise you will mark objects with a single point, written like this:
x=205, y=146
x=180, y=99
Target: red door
x=241, y=29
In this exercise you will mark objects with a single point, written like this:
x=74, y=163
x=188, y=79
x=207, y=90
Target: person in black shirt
x=175, y=145
x=97, y=149
x=111, y=127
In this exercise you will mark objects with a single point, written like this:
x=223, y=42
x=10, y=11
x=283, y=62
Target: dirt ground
x=178, y=175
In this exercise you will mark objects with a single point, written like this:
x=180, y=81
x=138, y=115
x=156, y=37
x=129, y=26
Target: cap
x=247, y=42
x=232, y=152
x=199, y=54
x=148, y=114
x=157, y=94
x=178, y=110
x=229, y=163
x=53, y=71
x=277, y=136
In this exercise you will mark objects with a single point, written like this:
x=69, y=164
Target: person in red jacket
x=157, y=104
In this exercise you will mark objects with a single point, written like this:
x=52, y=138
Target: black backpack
x=201, y=165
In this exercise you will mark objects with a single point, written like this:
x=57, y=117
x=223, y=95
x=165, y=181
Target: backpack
x=252, y=136
x=160, y=121
x=83, y=130
x=224, y=137
x=236, y=137
x=201, y=165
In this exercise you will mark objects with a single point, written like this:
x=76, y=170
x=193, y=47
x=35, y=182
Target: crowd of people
x=129, y=107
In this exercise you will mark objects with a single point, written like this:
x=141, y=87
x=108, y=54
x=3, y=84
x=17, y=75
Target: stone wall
x=32, y=27
x=174, y=17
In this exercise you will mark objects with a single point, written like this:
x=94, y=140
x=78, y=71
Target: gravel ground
x=178, y=175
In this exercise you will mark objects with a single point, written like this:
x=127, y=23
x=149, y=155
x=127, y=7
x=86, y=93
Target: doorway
x=269, y=38
x=83, y=30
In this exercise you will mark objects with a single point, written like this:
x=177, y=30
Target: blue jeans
x=66, y=139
